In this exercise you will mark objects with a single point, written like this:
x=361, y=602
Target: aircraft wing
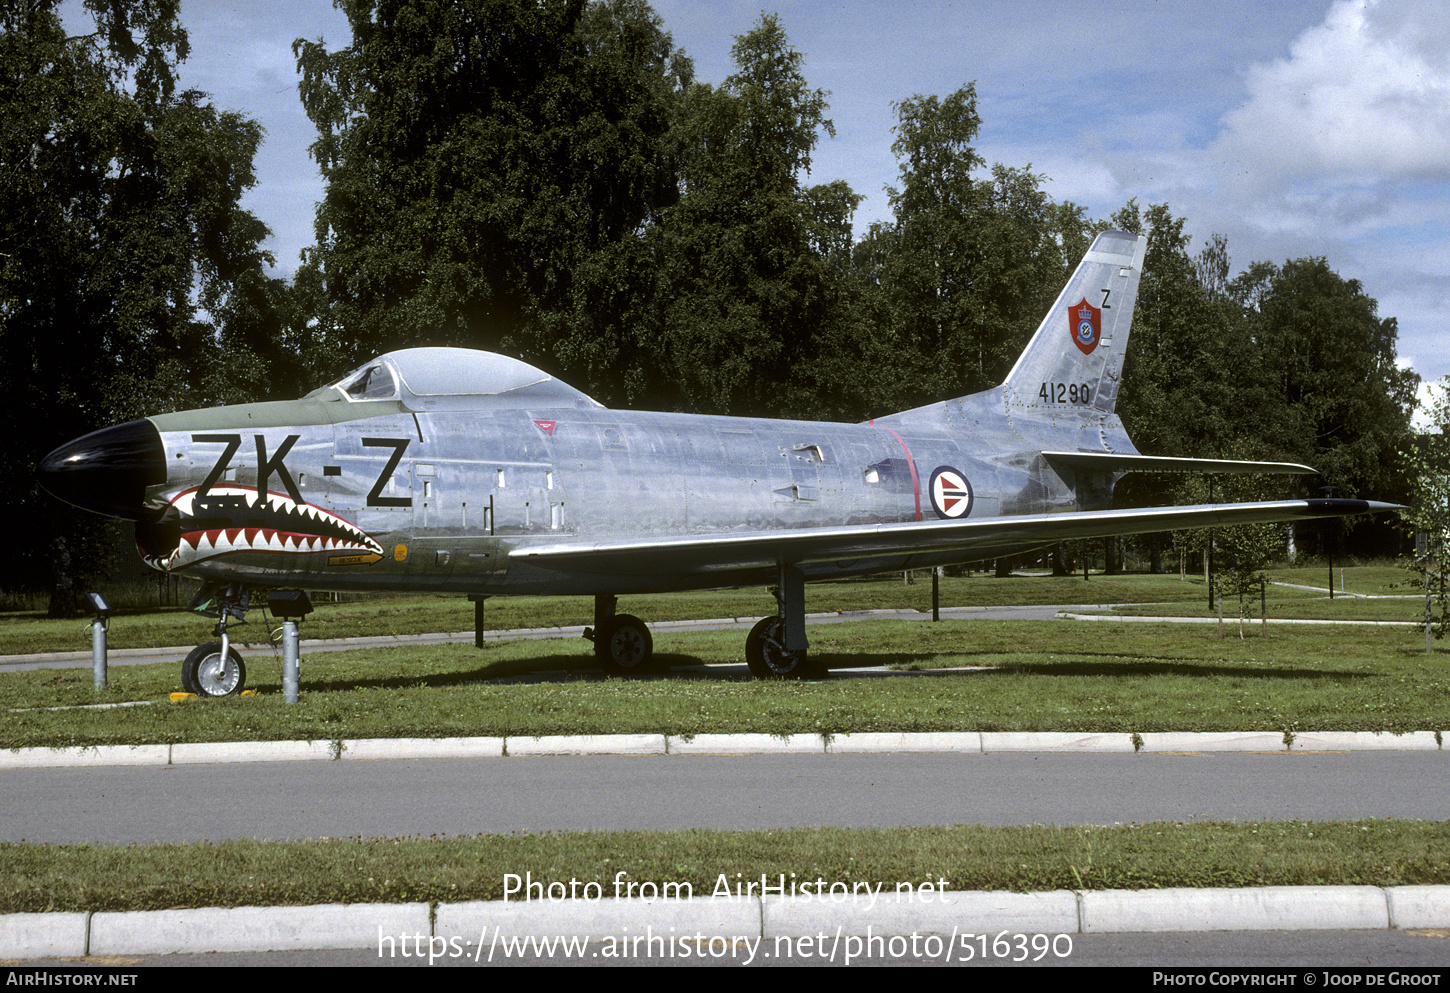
x=973, y=539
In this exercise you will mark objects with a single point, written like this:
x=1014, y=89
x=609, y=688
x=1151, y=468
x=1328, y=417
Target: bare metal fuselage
x=450, y=496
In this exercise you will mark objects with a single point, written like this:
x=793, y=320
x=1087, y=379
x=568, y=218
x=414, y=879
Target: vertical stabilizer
x=1075, y=360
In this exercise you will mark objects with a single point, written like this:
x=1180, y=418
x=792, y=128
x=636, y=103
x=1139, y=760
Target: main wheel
x=206, y=673
x=623, y=645
x=766, y=655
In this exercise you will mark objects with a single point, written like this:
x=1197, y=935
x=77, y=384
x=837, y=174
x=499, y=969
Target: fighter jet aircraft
x=454, y=470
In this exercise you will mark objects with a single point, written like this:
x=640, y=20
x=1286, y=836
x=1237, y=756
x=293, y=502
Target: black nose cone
x=107, y=471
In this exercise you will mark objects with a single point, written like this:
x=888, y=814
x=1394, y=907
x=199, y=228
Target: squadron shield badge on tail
x=1085, y=322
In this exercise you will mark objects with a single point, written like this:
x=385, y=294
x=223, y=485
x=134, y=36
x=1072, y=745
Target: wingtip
x=1346, y=506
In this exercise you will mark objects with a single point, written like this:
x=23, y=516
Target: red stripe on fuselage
x=915, y=482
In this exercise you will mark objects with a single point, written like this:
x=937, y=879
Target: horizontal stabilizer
x=1115, y=462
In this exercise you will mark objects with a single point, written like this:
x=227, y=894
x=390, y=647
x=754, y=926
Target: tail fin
x=1075, y=360
x=1074, y=363
x=1058, y=399
x=1067, y=378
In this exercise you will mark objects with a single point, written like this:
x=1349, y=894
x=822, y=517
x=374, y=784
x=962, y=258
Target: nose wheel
x=214, y=668
x=211, y=671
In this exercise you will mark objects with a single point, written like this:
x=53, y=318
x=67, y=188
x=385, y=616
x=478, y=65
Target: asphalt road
x=284, y=800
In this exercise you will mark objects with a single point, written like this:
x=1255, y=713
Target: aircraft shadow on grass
x=567, y=668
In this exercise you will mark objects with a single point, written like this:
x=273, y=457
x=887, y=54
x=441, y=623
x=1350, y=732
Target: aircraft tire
x=186, y=683
x=769, y=660
x=204, y=673
x=624, y=646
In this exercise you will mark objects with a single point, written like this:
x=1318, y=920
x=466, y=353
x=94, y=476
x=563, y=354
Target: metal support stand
x=1208, y=558
x=98, y=653
x=290, y=606
x=102, y=620
x=291, y=661
x=936, y=594
x=477, y=600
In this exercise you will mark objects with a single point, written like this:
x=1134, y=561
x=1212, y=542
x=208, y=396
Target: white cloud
x=1430, y=394
x=1342, y=148
x=1366, y=92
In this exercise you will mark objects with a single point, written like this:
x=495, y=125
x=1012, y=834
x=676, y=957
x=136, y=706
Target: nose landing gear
x=215, y=669
x=211, y=670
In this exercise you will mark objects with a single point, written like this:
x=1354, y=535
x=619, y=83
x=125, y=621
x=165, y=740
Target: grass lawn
x=35, y=878
x=1380, y=580
x=1039, y=676
x=1369, y=593
x=24, y=633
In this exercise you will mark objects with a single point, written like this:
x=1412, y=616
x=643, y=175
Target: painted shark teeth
x=281, y=527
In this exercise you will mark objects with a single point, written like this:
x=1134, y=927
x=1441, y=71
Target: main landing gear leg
x=622, y=643
x=777, y=647
x=214, y=668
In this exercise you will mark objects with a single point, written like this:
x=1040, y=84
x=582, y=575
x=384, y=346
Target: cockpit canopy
x=424, y=379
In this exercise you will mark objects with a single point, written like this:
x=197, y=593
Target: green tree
x=1239, y=554
x=929, y=268
x=1195, y=379
x=491, y=167
x=753, y=259
x=1286, y=363
x=1330, y=358
x=1426, y=459
x=1180, y=384
x=121, y=244
x=970, y=265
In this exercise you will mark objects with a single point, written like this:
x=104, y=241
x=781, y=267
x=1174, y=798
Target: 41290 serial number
x=1065, y=393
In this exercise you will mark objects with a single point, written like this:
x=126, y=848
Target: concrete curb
x=470, y=928
x=1269, y=908
x=966, y=742
x=249, y=929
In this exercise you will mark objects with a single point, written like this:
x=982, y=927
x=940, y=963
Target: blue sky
x=1295, y=128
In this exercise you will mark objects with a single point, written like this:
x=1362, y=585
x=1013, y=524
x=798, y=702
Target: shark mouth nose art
x=229, y=520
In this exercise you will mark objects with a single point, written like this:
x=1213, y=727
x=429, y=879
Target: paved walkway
x=1042, y=612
